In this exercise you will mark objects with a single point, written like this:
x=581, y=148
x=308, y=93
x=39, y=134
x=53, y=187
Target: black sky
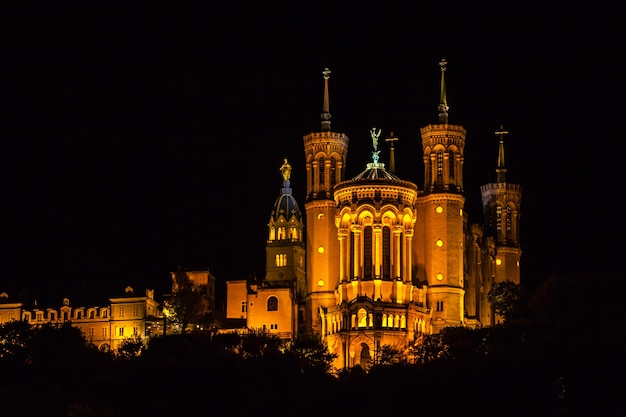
x=140, y=138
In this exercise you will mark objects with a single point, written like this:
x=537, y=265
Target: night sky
x=138, y=139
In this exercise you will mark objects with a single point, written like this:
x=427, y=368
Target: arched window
x=384, y=320
x=272, y=303
x=386, y=252
x=367, y=252
x=499, y=220
x=322, y=169
x=439, y=164
x=509, y=214
x=333, y=170
x=451, y=161
x=352, y=270
x=362, y=317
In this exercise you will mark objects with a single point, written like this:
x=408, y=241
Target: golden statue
x=285, y=170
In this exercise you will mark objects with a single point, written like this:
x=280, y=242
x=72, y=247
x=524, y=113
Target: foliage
x=506, y=299
x=310, y=354
x=45, y=344
x=188, y=304
x=130, y=348
x=389, y=355
x=15, y=341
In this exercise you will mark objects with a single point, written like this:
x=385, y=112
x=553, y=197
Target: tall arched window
x=362, y=317
x=499, y=220
x=386, y=252
x=367, y=252
x=272, y=303
x=451, y=162
x=322, y=168
x=333, y=170
x=352, y=271
x=439, y=164
x=509, y=214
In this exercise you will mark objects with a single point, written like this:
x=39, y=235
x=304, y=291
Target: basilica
x=377, y=260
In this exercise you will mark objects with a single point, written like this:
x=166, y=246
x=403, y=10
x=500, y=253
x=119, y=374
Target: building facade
x=129, y=316
x=375, y=260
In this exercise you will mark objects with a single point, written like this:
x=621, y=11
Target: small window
x=439, y=305
x=272, y=303
x=244, y=306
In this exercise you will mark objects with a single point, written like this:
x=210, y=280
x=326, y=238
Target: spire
x=326, y=109
x=501, y=170
x=392, y=160
x=443, y=102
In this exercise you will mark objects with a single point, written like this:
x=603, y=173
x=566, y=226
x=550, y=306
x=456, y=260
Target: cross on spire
x=392, y=161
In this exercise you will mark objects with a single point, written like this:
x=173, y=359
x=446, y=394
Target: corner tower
x=440, y=255
x=501, y=210
x=325, y=154
x=285, y=250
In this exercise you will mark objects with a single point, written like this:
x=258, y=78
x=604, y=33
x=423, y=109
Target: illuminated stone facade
x=385, y=261
x=127, y=317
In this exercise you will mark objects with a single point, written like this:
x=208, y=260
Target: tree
x=15, y=341
x=188, y=304
x=506, y=299
x=130, y=348
x=389, y=355
x=310, y=354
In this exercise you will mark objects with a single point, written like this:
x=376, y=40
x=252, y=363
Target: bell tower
x=501, y=210
x=325, y=154
x=442, y=202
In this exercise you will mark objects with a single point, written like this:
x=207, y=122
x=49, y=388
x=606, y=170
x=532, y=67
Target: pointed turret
x=443, y=101
x=444, y=146
x=326, y=106
x=325, y=154
x=501, y=169
x=501, y=211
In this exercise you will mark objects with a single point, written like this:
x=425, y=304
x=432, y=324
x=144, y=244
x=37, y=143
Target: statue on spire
x=285, y=170
x=375, y=135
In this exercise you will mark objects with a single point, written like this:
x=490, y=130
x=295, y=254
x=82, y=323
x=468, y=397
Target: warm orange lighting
x=440, y=276
x=320, y=216
x=439, y=242
x=320, y=283
x=439, y=209
x=320, y=249
x=498, y=261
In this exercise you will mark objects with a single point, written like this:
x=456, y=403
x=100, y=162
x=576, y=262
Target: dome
x=375, y=170
x=286, y=206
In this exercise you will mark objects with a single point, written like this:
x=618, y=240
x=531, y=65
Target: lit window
x=439, y=209
x=321, y=249
x=281, y=259
x=439, y=242
x=120, y=331
x=272, y=303
x=362, y=317
x=498, y=261
x=440, y=276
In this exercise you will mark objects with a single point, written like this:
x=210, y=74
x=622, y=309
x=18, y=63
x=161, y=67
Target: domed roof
x=375, y=170
x=286, y=205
